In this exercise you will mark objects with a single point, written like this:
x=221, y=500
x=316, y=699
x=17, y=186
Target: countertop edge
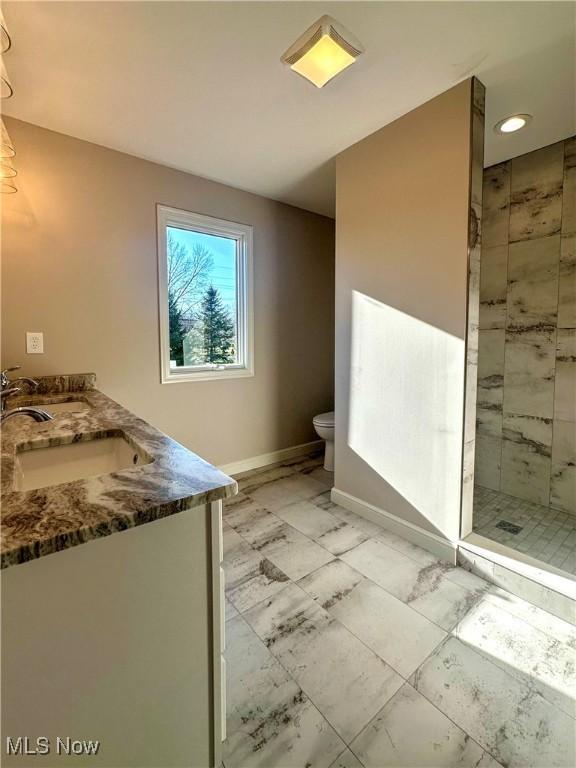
x=117, y=524
x=34, y=523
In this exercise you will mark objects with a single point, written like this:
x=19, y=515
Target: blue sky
x=223, y=250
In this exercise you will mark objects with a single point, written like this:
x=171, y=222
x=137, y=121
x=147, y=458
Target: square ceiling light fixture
x=323, y=51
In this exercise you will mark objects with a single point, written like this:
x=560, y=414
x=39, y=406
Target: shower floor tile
x=381, y=656
x=542, y=532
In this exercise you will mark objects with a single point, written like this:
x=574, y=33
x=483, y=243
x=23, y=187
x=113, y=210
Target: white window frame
x=242, y=233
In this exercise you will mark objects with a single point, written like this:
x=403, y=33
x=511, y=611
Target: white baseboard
x=442, y=548
x=275, y=457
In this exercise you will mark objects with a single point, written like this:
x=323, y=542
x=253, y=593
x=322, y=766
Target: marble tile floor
x=349, y=647
x=546, y=534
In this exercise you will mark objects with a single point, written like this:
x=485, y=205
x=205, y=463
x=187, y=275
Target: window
x=205, y=283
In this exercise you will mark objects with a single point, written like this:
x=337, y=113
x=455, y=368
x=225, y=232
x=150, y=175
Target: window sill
x=206, y=375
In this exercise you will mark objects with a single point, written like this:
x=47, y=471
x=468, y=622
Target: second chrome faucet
x=9, y=387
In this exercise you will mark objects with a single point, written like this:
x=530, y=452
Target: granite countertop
x=46, y=520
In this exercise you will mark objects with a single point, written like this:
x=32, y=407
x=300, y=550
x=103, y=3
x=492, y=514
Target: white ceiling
x=200, y=87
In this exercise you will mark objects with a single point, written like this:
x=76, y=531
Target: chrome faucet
x=7, y=388
x=26, y=410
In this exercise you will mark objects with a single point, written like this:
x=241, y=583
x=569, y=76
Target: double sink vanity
x=112, y=587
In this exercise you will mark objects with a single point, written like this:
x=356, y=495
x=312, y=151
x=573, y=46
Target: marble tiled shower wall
x=526, y=415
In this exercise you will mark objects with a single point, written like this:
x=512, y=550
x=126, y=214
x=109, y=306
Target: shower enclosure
x=525, y=439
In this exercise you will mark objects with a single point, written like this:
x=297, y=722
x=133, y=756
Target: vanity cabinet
x=119, y=641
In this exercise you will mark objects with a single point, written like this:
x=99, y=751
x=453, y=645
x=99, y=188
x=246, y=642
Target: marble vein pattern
x=250, y=577
x=530, y=360
x=331, y=583
x=496, y=205
x=541, y=661
x=397, y=634
x=526, y=457
x=474, y=277
x=488, y=461
x=473, y=319
x=434, y=741
x=299, y=488
x=384, y=656
x=493, y=286
x=536, y=193
x=567, y=283
x=291, y=551
x=66, y=383
x=490, y=395
x=478, y=117
x=532, y=300
x=468, y=459
x=569, y=191
x=563, y=471
x=270, y=720
x=412, y=551
x=504, y=714
x=427, y=589
x=526, y=368
x=565, y=382
x=46, y=520
x=324, y=502
x=489, y=421
x=335, y=669
x=491, y=368
x=535, y=617
x=555, y=603
x=335, y=535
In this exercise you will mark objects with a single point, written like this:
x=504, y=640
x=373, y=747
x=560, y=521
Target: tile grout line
x=406, y=681
x=337, y=557
x=337, y=621
x=308, y=696
x=443, y=642
x=536, y=521
x=296, y=683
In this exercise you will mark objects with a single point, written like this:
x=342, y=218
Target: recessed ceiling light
x=512, y=123
x=323, y=51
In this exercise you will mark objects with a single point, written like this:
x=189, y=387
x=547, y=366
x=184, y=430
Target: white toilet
x=324, y=426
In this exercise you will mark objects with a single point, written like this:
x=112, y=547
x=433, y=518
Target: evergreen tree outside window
x=205, y=285
x=177, y=334
x=218, y=328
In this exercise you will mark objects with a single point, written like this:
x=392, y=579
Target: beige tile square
x=567, y=283
x=529, y=368
x=569, y=190
x=496, y=205
x=487, y=465
x=493, y=286
x=536, y=193
x=563, y=478
x=565, y=385
x=532, y=300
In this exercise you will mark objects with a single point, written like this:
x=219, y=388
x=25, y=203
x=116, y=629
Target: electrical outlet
x=34, y=342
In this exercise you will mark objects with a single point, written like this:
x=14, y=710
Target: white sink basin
x=70, y=406
x=42, y=467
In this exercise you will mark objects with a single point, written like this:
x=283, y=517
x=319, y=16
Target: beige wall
x=79, y=264
x=401, y=293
